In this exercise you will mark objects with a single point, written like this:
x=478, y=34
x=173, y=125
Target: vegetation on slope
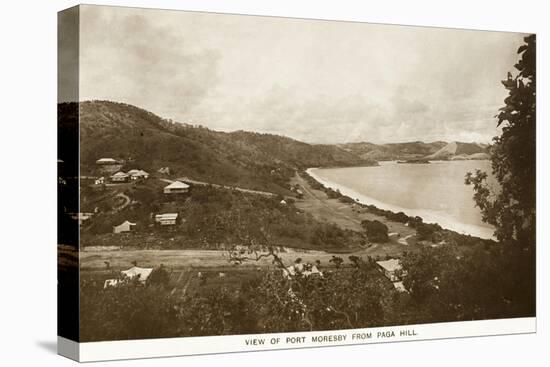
x=246, y=159
x=210, y=218
x=443, y=285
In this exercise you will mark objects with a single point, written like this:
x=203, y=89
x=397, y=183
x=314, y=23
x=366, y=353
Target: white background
x=28, y=181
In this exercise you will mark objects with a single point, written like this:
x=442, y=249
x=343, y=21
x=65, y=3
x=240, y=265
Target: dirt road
x=317, y=203
x=183, y=259
x=202, y=183
x=126, y=202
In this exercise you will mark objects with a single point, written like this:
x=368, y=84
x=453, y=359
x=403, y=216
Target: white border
x=170, y=347
x=29, y=112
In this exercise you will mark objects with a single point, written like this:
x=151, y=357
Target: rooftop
x=137, y=172
x=105, y=160
x=166, y=216
x=177, y=185
x=390, y=265
x=126, y=222
x=120, y=174
x=135, y=271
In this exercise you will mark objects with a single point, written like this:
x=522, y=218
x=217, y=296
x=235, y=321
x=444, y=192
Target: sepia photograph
x=224, y=174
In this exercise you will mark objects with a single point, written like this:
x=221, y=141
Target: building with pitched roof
x=106, y=161
x=124, y=227
x=177, y=187
x=167, y=219
x=391, y=269
x=120, y=177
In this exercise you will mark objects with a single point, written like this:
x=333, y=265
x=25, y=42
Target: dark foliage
x=376, y=231
x=483, y=283
x=513, y=157
x=427, y=231
x=210, y=218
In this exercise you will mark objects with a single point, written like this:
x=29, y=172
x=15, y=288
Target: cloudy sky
x=316, y=81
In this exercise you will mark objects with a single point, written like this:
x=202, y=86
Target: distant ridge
x=456, y=151
x=438, y=150
x=240, y=158
x=393, y=151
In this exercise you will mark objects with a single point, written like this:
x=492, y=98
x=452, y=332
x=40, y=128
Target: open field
x=181, y=259
x=348, y=216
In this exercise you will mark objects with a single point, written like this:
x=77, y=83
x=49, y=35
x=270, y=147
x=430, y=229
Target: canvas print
x=228, y=175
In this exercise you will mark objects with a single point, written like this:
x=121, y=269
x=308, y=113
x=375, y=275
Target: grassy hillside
x=393, y=151
x=210, y=218
x=457, y=149
x=417, y=150
x=147, y=141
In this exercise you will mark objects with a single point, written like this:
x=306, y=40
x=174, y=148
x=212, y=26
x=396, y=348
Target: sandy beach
x=429, y=216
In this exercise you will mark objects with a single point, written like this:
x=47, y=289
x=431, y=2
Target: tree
x=512, y=209
x=513, y=157
x=424, y=269
x=337, y=261
x=376, y=230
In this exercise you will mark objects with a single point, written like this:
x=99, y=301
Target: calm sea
x=436, y=191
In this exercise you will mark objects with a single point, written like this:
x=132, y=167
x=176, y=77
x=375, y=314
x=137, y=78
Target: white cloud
x=316, y=81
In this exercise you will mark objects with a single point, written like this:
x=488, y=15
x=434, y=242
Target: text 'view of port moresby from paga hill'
x=230, y=175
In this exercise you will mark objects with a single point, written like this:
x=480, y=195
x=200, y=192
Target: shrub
x=128, y=311
x=399, y=217
x=337, y=261
x=159, y=276
x=415, y=221
x=427, y=231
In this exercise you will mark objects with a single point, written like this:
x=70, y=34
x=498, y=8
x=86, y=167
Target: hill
x=457, y=150
x=144, y=140
x=438, y=150
x=393, y=151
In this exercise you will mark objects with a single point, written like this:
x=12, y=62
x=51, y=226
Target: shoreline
x=428, y=216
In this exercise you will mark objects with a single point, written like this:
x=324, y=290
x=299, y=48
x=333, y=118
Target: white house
x=304, y=269
x=142, y=174
x=391, y=269
x=136, y=174
x=81, y=217
x=124, y=227
x=100, y=181
x=166, y=219
x=120, y=177
x=141, y=273
x=110, y=283
x=135, y=271
x=176, y=187
x=106, y=161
